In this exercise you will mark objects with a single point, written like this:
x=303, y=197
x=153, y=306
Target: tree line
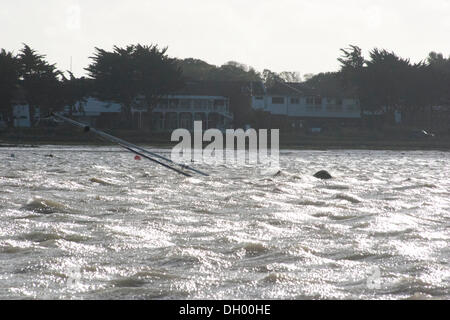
x=119, y=75
x=385, y=82
x=382, y=82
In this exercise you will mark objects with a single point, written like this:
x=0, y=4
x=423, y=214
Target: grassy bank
x=341, y=139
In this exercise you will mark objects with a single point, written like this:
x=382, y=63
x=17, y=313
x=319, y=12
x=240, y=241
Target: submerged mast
x=132, y=147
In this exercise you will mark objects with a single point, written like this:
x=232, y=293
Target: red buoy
x=136, y=157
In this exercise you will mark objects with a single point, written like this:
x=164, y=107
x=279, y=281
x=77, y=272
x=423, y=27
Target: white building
x=171, y=112
x=308, y=107
x=92, y=107
x=21, y=115
x=180, y=111
x=302, y=102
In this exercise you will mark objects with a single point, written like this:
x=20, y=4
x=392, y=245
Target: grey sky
x=282, y=35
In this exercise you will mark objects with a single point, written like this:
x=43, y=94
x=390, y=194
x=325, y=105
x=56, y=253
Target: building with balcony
x=301, y=104
x=177, y=110
x=180, y=111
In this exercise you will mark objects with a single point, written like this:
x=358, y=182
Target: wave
x=334, y=187
x=274, y=278
x=348, y=197
x=335, y=217
x=129, y=282
x=255, y=249
x=316, y=203
x=45, y=206
x=10, y=249
x=48, y=237
x=417, y=186
x=101, y=181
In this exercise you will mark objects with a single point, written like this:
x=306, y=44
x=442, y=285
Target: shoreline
x=306, y=145
x=33, y=138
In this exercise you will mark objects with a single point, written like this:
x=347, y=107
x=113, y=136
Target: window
x=200, y=104
x=185, y=103
x=295, y=101
x=173, y=103
x=209, y=104
x=309, y=100
x=277, y=100
x=163, y=103
x=318, y=101
x=258, y=98
x=219, y=103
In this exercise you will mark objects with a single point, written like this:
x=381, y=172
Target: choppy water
x=91, y=222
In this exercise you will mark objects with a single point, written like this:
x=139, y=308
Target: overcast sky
x=281, y=35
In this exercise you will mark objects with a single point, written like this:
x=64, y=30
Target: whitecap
x=45, y=206
x=348, y=197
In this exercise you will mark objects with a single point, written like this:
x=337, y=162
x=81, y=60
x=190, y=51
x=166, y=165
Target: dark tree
x=329, y=84
x=126, y=74
x=439, y=69
x=40, y=82
x=157, y=74
x=351, y=59
x=233, y=71
x=199, y=70
x=290, y=76
x=396, y=84
x=74, y=90
x=9, y=79
x=195, y=69
x=271, y=78
x=352, y=69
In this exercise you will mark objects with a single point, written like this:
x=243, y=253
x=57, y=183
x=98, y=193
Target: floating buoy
x=136, y=157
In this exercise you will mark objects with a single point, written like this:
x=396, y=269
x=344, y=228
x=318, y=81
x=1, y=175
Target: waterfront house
x=195, y=101
x=302, y=106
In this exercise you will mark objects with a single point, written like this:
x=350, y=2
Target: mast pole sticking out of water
x=131, y=147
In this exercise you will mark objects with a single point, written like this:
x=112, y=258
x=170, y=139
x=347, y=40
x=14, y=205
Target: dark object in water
x=278, y=173
x=323, y=174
